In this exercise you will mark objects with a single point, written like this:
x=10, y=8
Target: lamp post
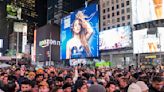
x=159, y=47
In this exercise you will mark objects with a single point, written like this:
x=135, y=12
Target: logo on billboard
x=47, y=42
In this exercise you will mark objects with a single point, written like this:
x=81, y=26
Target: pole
x=160, y=54
x=50, y=49
x=17, y=48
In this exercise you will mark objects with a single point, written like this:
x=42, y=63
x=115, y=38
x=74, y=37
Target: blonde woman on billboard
x=77, y=46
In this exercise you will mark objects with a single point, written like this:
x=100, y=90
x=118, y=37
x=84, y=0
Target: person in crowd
x=111, y=87
x=96, y=88
x=67, y=87
x=44, y=87
x=143, y=86
x=59, y=81
x=26, y=86
x=80, y=86
x=134, y=88
x=157, y=84
x=57, y=89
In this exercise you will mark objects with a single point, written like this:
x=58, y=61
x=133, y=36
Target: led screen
x=146, y=42
x=147, y=10
x=1, y=43
x=115, y=38
x=79, y=34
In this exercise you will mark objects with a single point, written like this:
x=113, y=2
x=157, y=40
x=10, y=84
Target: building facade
x=113, y=14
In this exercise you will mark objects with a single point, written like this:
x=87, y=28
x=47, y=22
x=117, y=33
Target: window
x=108, y=15
x=118, y=13
x=112, y=1
x=122, y=11
x=112, y=7
x=104, y=17
x=127, y=10
x=113, y=14
x=103, y=10
x=127, y=3
x=104, y=28
x=118, y=25
x=118, y=19
x=113, y=20
x=116, y=1
x=113, y=26
x=128, y=16
x=107, y=3
x=128, y=23
x=108, y=9
x=122, y=4
x=123, y=24
x=108, y=27
x=117, y=6
x=123, y=18
x=104, y=23
x=103, y=4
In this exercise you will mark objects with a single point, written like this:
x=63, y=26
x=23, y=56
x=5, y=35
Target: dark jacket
x=152, y=89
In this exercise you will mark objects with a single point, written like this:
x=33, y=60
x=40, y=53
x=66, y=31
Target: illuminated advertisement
x=47, y=43
x=21, y=27
x=79, y=34
x=115, y=38
x=13, y=12
x=1, y=43
x=148, y=42
x=147, y=10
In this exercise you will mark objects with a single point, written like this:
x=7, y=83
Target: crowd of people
x=81, y=79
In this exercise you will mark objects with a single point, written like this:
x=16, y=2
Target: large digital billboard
x=115, y=38
x=145, y=41
x=47, y=43
x=147, y=10
x=79, y=34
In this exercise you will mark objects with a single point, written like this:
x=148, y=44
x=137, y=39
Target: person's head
x=26, y=86
x=81, y=86
x=17, y=71
x=96, y=88
x=134, y=88
x=43, y=87
x=111, y=87
x=39, y=77
x=59, y=81
x=157, y=82
x=67, y=87
x=31, y=75
x=11, y=87
x=76, y=27
x=68, y=79
x=57, y=89
x=143, y=86
x=123, y=82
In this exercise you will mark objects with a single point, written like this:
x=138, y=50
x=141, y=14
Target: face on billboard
x=147, y=10
x=148, y=43
x=79, y=34
x=115, y=38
